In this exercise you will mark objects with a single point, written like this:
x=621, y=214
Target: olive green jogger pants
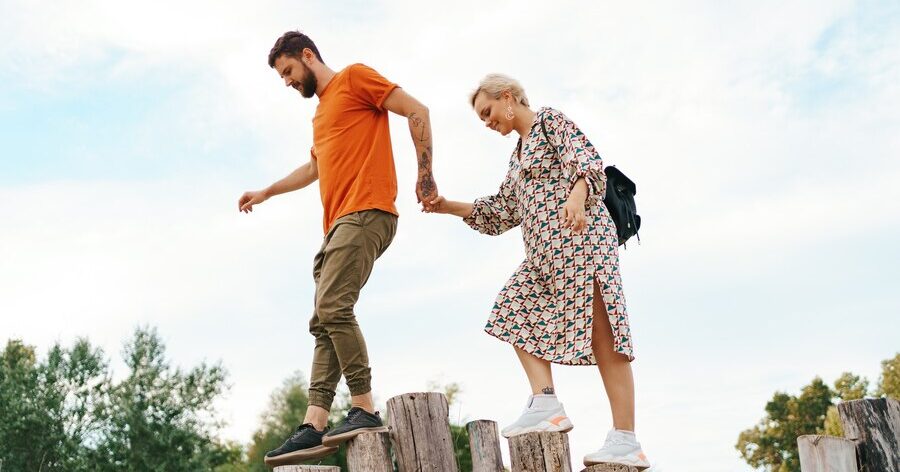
x=341, y=269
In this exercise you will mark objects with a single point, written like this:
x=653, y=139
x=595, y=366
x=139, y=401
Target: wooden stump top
x=826, y=454
x=420, y=432
x=540, y=452
x=484, y=443
x=874, y=423
x=370, y=452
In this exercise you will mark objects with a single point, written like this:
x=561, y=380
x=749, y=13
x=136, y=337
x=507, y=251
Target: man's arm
x=299, y=178
x=404, y=104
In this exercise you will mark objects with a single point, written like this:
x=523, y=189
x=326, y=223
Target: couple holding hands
x=564, y=303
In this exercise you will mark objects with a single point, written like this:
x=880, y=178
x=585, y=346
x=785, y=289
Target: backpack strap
x=547, y=137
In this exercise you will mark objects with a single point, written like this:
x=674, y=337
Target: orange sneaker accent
x=642, y=456
x=556, y=421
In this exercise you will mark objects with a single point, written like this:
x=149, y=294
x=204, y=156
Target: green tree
x=20, y=409
x=230, y=457
x=851, y=387
x=48, y=409
x=160, y=418
x=833, y=426
x=889, y=382
x=461, y=449
x=772, y=443
x=65, y=413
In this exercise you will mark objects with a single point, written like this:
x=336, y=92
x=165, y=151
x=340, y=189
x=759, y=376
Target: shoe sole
x=638, y=466
x=292, y=458
x=544, y=427
x=338, y=439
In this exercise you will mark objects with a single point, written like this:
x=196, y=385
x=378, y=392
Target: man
x=351, y=157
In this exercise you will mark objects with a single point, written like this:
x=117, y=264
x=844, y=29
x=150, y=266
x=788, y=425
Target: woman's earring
x=509, y=113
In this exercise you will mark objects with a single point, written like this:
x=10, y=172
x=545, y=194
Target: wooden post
x=540, y=452
x=420, y=432
x=484, y=442
x=307, y=468
x=611, y=468
x=370, y=452
x=826, y=454
x=874, y=424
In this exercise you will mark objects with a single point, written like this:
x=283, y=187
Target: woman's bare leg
x=615, y=369
x=538, y=372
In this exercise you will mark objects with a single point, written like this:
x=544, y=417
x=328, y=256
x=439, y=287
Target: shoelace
x=616, y=439
x=300, y=429
x=352, y=415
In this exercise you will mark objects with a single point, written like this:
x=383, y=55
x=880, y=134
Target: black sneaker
x=357, y=421
x=304, y=444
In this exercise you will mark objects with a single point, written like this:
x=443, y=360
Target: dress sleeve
x=496, y=214
x=579, y=158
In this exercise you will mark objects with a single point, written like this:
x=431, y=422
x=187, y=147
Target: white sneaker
x=621, y=447
x=542, y=413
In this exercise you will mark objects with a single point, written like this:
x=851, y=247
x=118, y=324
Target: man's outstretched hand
x=248, y=199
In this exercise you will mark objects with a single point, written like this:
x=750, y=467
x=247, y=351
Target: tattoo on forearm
x=426, y=183
x=419, y=128
x=548, y=391
x=425, y=159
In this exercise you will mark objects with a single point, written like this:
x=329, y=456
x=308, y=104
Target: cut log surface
x=611, y=468
x=540, y=452
x=369, y=452
x=484, y=442
x=307, y=468
x=826, y=454
x=420, y=432
x=874, y=424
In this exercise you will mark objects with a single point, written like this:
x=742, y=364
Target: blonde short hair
x=495, y=84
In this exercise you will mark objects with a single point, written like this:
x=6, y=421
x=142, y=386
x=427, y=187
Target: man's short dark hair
x=292, y=43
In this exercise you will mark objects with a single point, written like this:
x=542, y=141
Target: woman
x=570, y=278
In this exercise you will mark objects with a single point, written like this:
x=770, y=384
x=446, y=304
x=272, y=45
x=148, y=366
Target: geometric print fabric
x=546, y=307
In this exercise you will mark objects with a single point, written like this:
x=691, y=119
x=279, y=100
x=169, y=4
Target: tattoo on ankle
x=548, y=391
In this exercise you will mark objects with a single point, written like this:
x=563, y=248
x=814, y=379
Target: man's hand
x=248, y=199
x=299, y=178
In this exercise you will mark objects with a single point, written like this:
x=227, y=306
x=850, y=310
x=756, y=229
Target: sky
x=762, y=137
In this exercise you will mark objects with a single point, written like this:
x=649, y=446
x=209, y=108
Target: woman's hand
x=442, y=205
x=437, y=205
x=573, y=210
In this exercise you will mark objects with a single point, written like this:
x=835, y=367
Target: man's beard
x=308, y=83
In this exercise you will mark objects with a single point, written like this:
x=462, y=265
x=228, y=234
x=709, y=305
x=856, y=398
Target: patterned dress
x=546, y=306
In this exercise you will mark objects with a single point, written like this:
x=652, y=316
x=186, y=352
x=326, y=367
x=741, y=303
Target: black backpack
x=619, y=200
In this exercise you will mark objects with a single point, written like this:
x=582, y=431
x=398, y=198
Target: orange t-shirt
x=352, y=144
